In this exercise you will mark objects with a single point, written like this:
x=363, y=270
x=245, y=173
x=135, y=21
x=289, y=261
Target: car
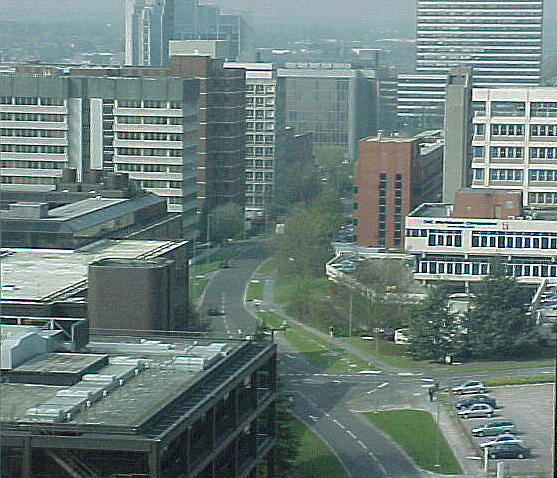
x=471, y=386
x=224, y=264
x=466, y=402
x=503, y=438
x=214, y=311
x=477, y=410
x=495, y=427
x=508, y=450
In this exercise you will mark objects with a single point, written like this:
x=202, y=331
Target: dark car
x=467, y=402
x=224, y=264
x=509, y=450
x=214, y=311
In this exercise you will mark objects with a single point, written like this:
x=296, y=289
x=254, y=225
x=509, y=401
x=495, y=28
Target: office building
x=151, y=24
x=335, y=102
x=153, y=405
x=513, y=145
x=265, y=133
x=501, y=40
x=457, y=242
x=145, y=127
x=392, y=176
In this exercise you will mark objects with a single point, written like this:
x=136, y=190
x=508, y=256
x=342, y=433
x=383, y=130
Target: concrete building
x=501, y=40
x=265, y=133
x=457, y=242
x=154, y=405
x=335, y=102
x=514, y=142
x=392, y=176
x=145, y=127
x=54, y=282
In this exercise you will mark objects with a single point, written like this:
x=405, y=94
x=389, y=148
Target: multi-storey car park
x=515, y=142
x=159, y=406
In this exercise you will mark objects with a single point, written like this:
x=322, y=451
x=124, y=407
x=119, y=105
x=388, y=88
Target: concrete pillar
x=155, y=462
x=27, y=464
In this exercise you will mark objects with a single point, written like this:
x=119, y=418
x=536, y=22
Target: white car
x=503, y=438
x=476, y=410
x=471, y=386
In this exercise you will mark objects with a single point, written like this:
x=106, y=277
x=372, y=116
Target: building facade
x=265, y=133
x=392, y=176
x=336, y=103
x=458, y=243
x=145, y=127
x=501, y=40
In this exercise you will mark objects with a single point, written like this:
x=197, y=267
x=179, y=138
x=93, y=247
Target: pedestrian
x=430, y=391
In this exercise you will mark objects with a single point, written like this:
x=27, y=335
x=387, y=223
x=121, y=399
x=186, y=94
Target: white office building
x=265, y=129
x=515, y=142
x=500, y=39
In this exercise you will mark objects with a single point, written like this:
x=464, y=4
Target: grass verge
x=520, y=380
x=429, y=450
x=315, y=349
x=255, y=290
x=315, y=459
x=266, y=267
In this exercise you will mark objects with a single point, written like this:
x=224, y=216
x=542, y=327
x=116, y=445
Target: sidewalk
x=454, y=435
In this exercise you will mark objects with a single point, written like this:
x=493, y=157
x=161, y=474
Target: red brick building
x=392, y=177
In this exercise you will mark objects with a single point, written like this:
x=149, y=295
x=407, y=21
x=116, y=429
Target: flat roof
x=162, y=378
x=65, y=363
x=33, y=274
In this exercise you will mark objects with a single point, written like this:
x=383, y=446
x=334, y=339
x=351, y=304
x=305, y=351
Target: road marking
x=362, y=444
x=335, y=421
x=370, y=372
x=350, y=433
x=383, y=469
x=406, y=374
x=384, y=384
x=290, y=356
x=313, y=418
x=416, y=394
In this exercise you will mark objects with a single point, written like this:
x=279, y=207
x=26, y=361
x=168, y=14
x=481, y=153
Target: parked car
x=471, y=386
x=509, y=450
x=466, y=402
x=224, y=264
x=503, y=438
x=214, y=311
x=477, y=410
x=495, y=427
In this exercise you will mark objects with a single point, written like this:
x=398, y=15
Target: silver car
x=471, y=386
x=477, y=410
x=504, y=438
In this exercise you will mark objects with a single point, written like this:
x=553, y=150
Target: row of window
x=150, y=168
x=53, y=118
x=505, y=174
x=43, y=180
x=149, y=120
x=260, y=138
x=517, y=129
x=482, y=268
x=150, y=136
x=258, y=101
x=260, y=114
x=543, y=175
x=259, y=176
x=258, y=188
x=259, y=151
x=538, y=109
x=32, y=133
x=542, y=198
x=260, y=126
x=260, y=89
x=518, y=241
x=149, y=152
x=32, y=148
x=152, y=183
x=260, y=163
x=173, y=105
x=515, y=152
x=26, y=100
x=32, y=164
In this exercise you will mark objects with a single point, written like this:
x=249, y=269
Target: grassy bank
x=315, y=459
x=255, y=290
x=520, y=380
x=431, y=452
x=316, y=350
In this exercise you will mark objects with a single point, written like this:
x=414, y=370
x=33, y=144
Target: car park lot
x=531, y=408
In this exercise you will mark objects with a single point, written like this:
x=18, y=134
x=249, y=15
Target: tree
x=498, y=323
x=435, y=332
x=288, y=442
x=226, y=222
x=303, y=249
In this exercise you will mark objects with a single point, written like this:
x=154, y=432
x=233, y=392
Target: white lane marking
x=336, y=422
x=373, y=372
x=350, y=433
x=290, y=356
x=416, y=394
x=361, y=443
x=384, y=384
x=312, y=418
x=406, y=374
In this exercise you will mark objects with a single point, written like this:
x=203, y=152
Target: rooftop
x=34, y=274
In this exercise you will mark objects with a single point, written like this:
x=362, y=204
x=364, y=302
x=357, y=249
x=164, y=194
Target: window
x=508, y=108
x=543, y=109
x=479, y=152
x=479, y=129
x=478, y=174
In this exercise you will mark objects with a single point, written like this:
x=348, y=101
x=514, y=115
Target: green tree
x=434, y=331
x=288, y=442
x=226, y=222
x=498, y=323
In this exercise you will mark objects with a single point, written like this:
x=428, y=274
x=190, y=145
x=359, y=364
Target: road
x=362, y=450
